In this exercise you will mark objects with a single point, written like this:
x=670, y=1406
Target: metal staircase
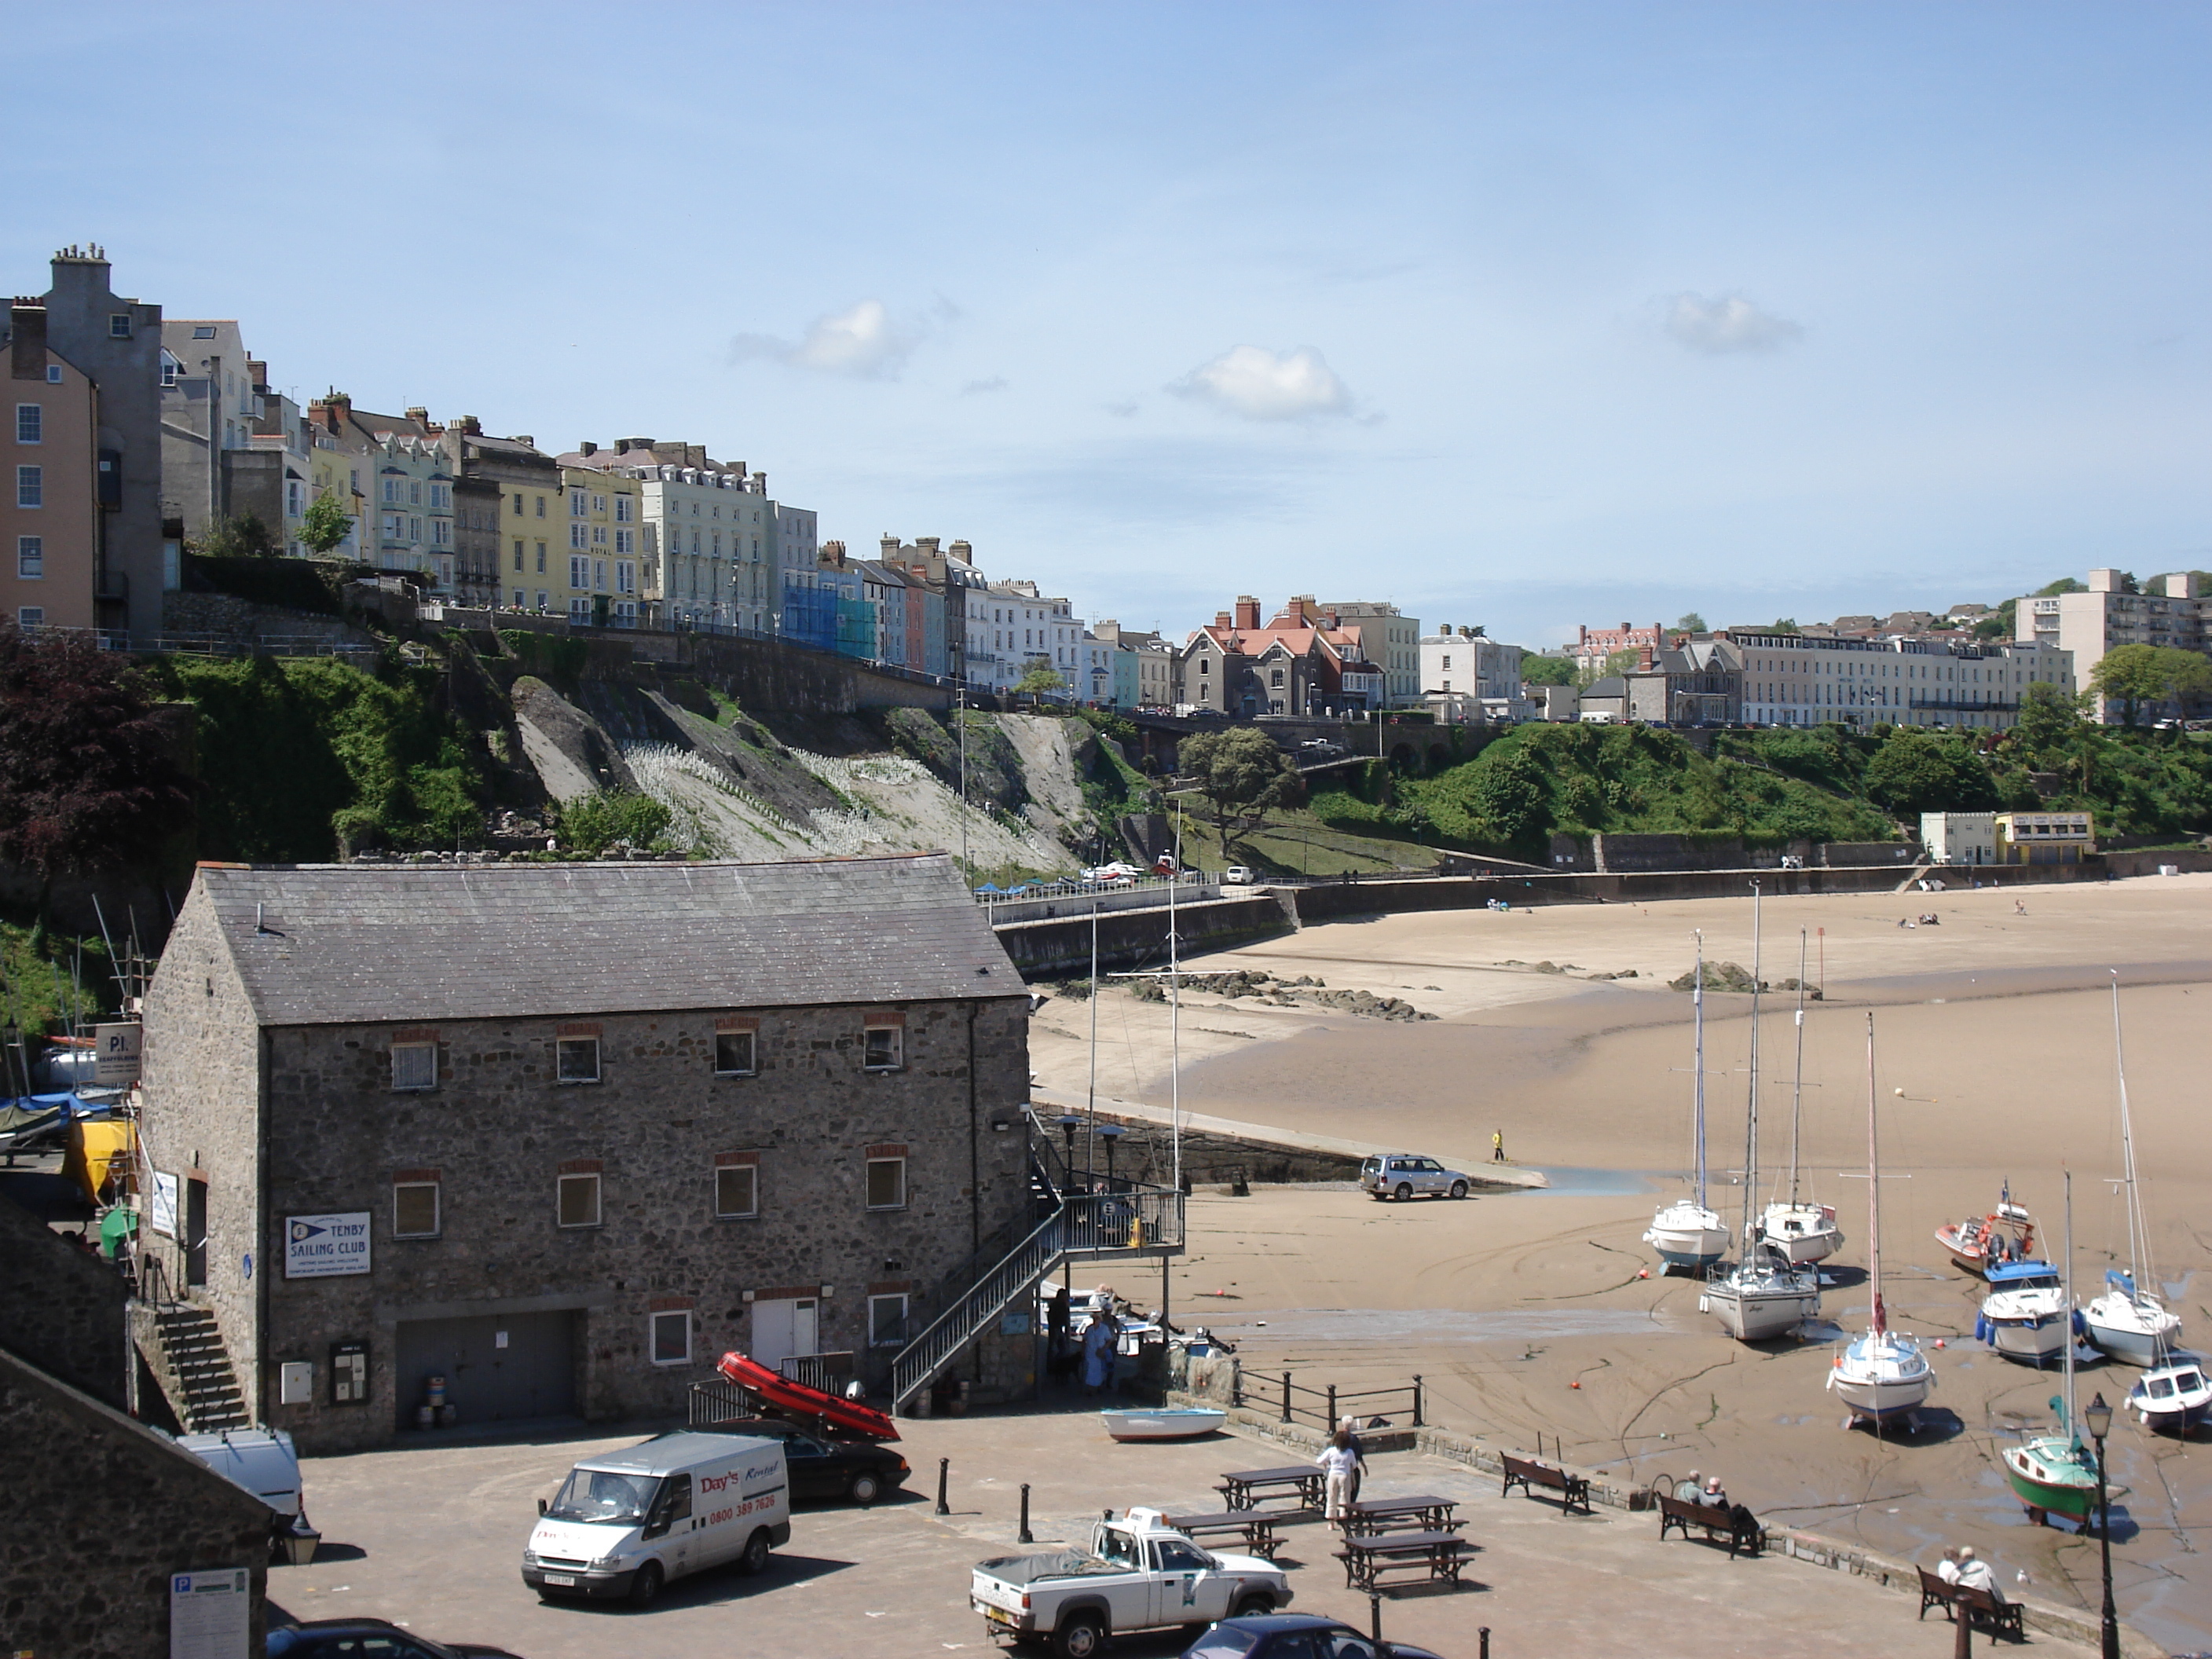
x=205, y=1395
x=1132, y=1222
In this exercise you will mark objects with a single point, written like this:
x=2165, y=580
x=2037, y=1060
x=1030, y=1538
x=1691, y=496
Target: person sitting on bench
x=1974, y=1574
x=1690, y=1491
x=1715, y=1496
x=1948, y=1568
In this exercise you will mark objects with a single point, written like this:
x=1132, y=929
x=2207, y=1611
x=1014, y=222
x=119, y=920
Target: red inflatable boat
x=791, y=1399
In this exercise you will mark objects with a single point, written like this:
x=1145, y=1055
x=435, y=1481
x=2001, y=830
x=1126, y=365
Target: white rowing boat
x=1168, y=1423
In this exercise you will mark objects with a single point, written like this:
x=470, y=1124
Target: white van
x=263, y=1461
x=626, y=1523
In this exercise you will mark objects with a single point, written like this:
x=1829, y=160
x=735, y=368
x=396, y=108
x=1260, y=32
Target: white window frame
x=32, y=418
x=868, y=1194
x=30, y=615
x=655, y=1323
x=876, y=1336
x=561, y=1202
x=437, y=1208
x=751, y=1067
x=753, y=1172
x=30, y=488
x=30, y=558
x=561, y=1056
x=895, y=1037
x=402, y=1081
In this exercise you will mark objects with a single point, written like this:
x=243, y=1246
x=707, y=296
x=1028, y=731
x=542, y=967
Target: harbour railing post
x=1417, y=1400
x=1286, y=1396
x=942, y=1465
x=1331, y=1423
x=1025, y=1537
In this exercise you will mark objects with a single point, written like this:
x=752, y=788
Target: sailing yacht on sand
x=1883, y=1374
x=1802, y=1230
x=2055, y=1473
x=1765, y=1295
x=1686, y=1233
x=2128, y=1322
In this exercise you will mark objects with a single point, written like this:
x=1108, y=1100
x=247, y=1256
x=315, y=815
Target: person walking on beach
x=1498, y=1145
x=1339, y=1462
x=1350, y=1425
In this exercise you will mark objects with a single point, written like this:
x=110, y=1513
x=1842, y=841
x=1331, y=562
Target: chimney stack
x=587, y=448
x=27, y=324
x=960, y=551
x=469, y=426
x=623, y=445
x=1222, y=619
x=890, y=545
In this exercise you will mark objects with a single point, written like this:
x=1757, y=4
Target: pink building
x=1594, y=644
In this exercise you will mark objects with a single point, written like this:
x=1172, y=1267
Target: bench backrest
x=1980, y=1600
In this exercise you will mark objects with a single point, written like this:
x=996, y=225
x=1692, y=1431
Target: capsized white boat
x=1796, y=1227
x=1883, y=1374
x=1763, y=1295
x=2026, y=1316
x=1686, y=1233
x=1163, y=1423
x=2127, y=1322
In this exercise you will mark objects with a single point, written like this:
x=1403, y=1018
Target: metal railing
x=1324, y=1406
x=1140, y=1221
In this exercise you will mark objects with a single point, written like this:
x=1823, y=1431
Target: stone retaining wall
x=61, y=1309
x=1138, y=938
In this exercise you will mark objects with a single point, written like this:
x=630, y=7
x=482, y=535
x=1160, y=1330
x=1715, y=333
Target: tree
x=325, y=524
x=1784, y=625
x=243, y=537
x=1691, y=623
x=2064, y=584
x=1040, y=679
x=1243, y=773
x=1619, y=662
x=85, y=778
x=1914, y=772
x=2132, y=675
x=2049, y=719
x=1546, y=671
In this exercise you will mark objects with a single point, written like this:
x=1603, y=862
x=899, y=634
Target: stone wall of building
x=242, y=620
x=201, y=1079
x=497, y=1132
x=61, y=1309
x=103, y=1511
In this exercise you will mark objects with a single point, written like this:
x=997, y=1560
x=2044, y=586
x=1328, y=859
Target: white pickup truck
x=1138, y=1574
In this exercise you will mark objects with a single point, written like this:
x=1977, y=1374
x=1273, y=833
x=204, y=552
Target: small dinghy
x=1167, y=1423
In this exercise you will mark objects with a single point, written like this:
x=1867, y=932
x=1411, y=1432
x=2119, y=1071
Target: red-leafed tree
x=85, y=778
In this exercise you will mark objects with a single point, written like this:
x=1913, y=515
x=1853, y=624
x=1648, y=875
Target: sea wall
x=1138, y=938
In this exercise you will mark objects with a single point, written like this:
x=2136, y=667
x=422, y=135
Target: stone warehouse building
x=563, y=1134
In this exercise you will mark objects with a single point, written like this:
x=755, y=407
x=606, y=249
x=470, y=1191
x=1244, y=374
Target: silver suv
x=1401, y=1174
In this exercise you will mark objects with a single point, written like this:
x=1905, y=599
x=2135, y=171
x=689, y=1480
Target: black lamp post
x=2098, y=1417
x=1111, y=1132
x=1068, y=1125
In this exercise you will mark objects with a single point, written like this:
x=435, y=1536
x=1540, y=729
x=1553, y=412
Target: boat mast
x=1879, y=1322
x=2138, y=1242
x=1090, y=1105
x=1697, y=1064
x=1174, y=1008
x=2067, y=1312
x=1751, y=1110
x=1797, y=1083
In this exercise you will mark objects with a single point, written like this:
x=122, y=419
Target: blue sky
x=1521, y=315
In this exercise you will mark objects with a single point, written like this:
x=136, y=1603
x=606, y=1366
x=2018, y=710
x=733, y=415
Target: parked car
x=1238, y=875
x=367, y=1638
x=1403, y=1175
x=822, y=1466
x=1294, y=1636
x=1138, y=1574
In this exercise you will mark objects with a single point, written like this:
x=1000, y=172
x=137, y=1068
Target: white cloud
x=976, y=388
x=866, y=342
x=1728, y=322
x=1266, y=386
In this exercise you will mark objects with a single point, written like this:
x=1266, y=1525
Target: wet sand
x=1996, y=1027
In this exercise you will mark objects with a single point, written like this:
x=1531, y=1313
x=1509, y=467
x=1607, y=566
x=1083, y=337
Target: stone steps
x=192, y=1345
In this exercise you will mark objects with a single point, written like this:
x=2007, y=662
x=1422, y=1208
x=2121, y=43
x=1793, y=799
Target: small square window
x=885, y=1049
x=887, y=1184
x=737, y=1190
x=887, y=1322
x=415, y=1209
x=53, y=374
x=118, y=325
x=414, y=1065
x=734, y=1053
x=577, y=1060
x=30, y=615
x=671, y=1337
x=579, y=1200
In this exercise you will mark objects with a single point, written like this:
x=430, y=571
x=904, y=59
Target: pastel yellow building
x=599, y=581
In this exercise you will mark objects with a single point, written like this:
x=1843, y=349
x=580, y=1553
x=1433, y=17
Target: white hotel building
x=1791, y=680
x=1011, y=625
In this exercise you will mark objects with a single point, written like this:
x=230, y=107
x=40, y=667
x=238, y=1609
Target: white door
x=781, y=1329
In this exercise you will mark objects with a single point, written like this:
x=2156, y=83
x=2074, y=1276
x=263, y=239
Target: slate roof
x=355, y=943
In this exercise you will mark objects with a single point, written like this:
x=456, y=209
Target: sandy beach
x=1995, y=1026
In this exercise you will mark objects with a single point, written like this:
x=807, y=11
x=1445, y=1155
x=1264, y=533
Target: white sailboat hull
x=1687, y=1236
x=2030, y=1325
x=2138, y=1331
x=1804, y=1232
x=1879, y=1378
x=1761, y=1310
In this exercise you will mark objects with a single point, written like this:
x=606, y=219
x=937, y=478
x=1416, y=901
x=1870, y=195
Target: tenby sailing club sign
x=325, y=1246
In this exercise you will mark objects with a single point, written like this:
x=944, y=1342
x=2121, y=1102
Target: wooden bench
x=1999, y=1618
x=1242, y=1490
x=1428, y=1513
x=1255, y=1527
x=1716, y=1523
x=1527, y=1474
x=1438, y=1555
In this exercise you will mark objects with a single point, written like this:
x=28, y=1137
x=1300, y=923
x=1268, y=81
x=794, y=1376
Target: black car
x=367, y=1638
x=821, y=1466
x=1294, y=1636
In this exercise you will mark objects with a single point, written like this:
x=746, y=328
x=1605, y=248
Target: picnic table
x=1255, y=1527
x=1367, y=1556
x=1429, y=1513
x=1242, y=1490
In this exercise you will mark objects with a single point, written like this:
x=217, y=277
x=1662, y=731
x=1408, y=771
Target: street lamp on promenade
x=2098, y=1416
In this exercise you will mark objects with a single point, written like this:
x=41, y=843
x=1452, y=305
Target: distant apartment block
x=1795, y=679
x=2167, y=612
x=50, y=510
x=1390, y=640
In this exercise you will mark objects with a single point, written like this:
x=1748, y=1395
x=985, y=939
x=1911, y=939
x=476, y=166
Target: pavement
x=431, y=1536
